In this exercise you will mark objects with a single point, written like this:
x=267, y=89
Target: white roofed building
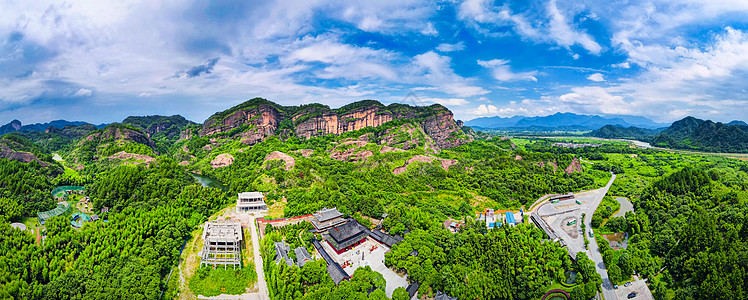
x=250, y=201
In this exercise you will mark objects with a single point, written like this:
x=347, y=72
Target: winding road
x=594, y=251
x=557, y=214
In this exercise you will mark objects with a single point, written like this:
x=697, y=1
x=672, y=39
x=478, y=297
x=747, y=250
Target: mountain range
x=16, y=125
x=562, y=121
x=687, y=133
x=368, y=121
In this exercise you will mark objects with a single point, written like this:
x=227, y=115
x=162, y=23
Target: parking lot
x=558, y=215
x=639, y=286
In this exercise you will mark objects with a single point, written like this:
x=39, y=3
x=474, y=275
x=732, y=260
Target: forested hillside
x=126, y=257
x=697, y=134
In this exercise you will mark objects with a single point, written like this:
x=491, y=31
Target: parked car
x=632, y=295
x=591, y=235
x=627, y=284
x=615, y=286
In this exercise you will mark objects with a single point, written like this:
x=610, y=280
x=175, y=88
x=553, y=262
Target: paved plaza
x=369, y=253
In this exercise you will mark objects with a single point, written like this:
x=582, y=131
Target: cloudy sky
x=100, y=62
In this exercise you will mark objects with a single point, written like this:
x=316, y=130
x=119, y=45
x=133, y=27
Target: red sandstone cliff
x=260, y=121
x=331, y=123
x=257, y=119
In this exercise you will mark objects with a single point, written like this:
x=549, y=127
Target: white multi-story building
x=250, y=201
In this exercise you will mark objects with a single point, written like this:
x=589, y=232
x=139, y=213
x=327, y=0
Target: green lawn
x=213, y=282
x=520, y=143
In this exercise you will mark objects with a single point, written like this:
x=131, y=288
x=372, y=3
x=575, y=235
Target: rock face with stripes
x=257, y=119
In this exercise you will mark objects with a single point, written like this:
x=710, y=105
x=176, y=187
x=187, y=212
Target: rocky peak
x=253, y=123
x=341, y=121
x=15, y=124
x=18, y=149
x=443, y=129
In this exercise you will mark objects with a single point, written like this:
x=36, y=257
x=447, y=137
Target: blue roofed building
x=510, y=218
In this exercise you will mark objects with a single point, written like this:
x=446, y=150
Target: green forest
x=687, y=236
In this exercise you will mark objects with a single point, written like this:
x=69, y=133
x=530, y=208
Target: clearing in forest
x=209, y=281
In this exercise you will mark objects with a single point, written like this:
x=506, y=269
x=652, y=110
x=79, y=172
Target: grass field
x=275, y=211
x=213, y=282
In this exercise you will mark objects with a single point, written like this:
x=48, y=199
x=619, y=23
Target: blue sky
x=100, y=61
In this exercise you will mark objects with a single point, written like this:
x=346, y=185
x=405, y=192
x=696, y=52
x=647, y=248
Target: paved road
x=594, y=251
x=258, y=260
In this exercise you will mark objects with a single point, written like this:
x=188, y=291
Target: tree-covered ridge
x=497, y=180
x=619, y=132
x=159, y=128
x=110, y=140
x=697, y=134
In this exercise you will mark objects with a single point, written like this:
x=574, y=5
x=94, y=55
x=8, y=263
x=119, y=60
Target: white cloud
x=563, y=34
x=594, y=99
x=485, y=110
x=83, y=93
x=451, y=47
x=623, y=65
x=430, y=30
x=555, y=27
x=596, y=77
x=682, y=81
x=386, y=16
x=501, y=71
x=344, y=61
x=436, y=70
x=447, y=101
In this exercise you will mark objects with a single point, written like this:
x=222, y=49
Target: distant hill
x=159, y=126
x=16, y=125
x=494, y=122
x=55, y=123
x=620, y=132
x=697, y=134
x=563, y=121
x=737, y=122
